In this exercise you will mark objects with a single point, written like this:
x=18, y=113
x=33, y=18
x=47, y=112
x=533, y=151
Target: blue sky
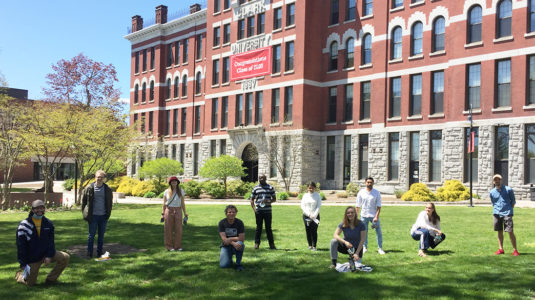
x=37, y=34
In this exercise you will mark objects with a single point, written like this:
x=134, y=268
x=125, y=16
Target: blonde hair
x=100, y=172
x=346, y=222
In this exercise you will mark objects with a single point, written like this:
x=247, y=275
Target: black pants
x=263, y=217
x=311, y=229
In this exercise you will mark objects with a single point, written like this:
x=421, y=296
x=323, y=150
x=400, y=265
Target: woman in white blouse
x=173, y=206
x=310, y=204
x=427, y=229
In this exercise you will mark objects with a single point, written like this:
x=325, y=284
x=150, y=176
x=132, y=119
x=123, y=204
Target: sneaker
x=171, y=249
x=332, y=266
x=272, y=247
x=515, y=253
x=179, y=249
x=500, y=251
x=256, y=246
x=239, y=268
x=309, y=247
x=364, y=250
x=381, y=251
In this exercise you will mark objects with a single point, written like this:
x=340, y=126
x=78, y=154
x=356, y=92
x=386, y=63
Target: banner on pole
x=471, y=142
x=250, y=64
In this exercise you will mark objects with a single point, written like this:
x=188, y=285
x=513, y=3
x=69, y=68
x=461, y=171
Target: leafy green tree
x=222, y=168
x=160, y=168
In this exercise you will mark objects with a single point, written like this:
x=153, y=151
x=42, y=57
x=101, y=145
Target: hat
x=172, y=178
x=497, y=176
x=37, y=203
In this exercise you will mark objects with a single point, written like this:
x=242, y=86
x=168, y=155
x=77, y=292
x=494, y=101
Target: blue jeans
x=378, y=231
x=225, y=257
x=97, y=222
x=426, y=239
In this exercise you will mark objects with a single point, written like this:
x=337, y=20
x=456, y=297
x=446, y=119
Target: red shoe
x=515, y=253
x=500, y=251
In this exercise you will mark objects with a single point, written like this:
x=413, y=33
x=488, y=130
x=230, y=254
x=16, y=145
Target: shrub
x=127, y=185
x=322, y=195
x=192, y=188
x=247, y=196
x=341, y=194
x=68, y=184
x=143, y=187
x=115, y=182
x=418, y=192
x=282, y=196
x=352, y=189
x=239, y=188
x=399, y=193
x=293, y=194
x=275, y=185
x=453, y=190
x=214, y=189
x=161, y=194
x=150, y=195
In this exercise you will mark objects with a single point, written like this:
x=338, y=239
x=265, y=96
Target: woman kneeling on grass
x=354, y=237
x=173, y=206
x=427, y=229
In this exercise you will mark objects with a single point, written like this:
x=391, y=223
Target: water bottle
x=185, y=221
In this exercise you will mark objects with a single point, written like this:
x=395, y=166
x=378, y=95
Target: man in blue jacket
x=35, y=246
x=503, y=202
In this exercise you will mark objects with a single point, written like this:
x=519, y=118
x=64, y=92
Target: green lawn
x=463, y=266
x=21, y=190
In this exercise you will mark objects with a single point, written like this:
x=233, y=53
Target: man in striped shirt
x=261, y=198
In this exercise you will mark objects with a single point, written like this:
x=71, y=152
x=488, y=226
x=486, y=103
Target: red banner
x=471, y=142
x=250, y=64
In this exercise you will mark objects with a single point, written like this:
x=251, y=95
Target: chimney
x=137, y=23
x=161, y=14
x=194, y=8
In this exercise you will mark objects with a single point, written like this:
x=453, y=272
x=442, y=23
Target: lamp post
x=75, y=181
x=470, y=150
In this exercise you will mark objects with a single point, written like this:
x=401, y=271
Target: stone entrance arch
x=250, y=162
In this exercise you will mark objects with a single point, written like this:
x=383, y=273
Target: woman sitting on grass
x=354, y=237
x=427, y=229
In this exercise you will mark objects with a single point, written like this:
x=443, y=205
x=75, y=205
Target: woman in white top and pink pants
x=173, y=206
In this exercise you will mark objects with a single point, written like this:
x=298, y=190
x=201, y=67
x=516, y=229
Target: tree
x=222, y=168
x=161, y=167
x=82, y=81
x=285, y=153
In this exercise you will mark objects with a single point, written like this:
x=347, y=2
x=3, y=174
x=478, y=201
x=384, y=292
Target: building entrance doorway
x=250, y=162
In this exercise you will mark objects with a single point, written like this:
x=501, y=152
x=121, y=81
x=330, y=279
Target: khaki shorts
x=503, y=223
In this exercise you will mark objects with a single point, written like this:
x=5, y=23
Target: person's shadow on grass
x=440, y=252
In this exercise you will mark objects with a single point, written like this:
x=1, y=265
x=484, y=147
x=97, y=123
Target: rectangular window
x=530, y=153
x=501, y=152
x=222, y=147
x=167, y=121
x=289, y=58
x=260, y=23
x=365, y=96
x=275, y=99
x=395, y=97
x=182, y=154
x=241, y=29
x=239, y=111
x=250, y=26
x=183, y=121
x=152, y=57
x=226, y=70
x=350, y=9
x=437, y=97
x=503, y=83
x=226, y=4
x=248, y=108
x=151, y=121
x=217, y=8
x=331, y=117
x=272, y=158
x=135, y=122
x=175, y=121
x=393, y=156
x=195, y=159
x=215, y=110
x=226, y=33
x=367, y=7
x=467, y=148
x=198, y=50
x=288, y=103
x=414, y=159
x=276, y=68
x=185, y=51
x=173, y=152
x=143, y=121
x=531, y=16
x=347, y=159
x=277, y=18
x=435, y=161
x=348, y=105
x=397, y=3
x=531, y=80
x=363, y=156
x=144, y=60
x=216, y=36
x=290, y=14
x=213, y=148
x=169, y=55
x=224, y=112
x=177, y=52
x=215, y=72
x=197, y=119
x=416, y=95
x=258, y=107
x=474, y=86
x=330, y=159
x=136, y=66
x=335, y=11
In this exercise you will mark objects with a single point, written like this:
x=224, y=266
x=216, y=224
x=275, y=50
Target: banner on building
x=250, y=64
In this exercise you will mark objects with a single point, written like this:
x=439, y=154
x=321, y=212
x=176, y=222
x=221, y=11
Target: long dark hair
x=346, y=222
x=434, y=216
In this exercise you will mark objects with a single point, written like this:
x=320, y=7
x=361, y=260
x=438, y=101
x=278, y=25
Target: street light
x=470, y=150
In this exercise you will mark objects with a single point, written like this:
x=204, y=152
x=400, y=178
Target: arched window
x=184, y=85
x=136, y=93
x=397, y=39
x=175, y=91
x=143, y=92
x=474, y=24
x=367, y=49
x=168, y=93
x=151, y=91
x=505, y=13
x=350, y=53
x=417, y=38
x=439, y=30
x=333, y=61
x=198, y=83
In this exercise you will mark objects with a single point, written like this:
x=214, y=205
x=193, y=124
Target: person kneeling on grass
x=232, y=232
x=427, y=229
x=354, y=237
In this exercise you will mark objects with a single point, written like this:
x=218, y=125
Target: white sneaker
x=381, y=251
x=364, y=250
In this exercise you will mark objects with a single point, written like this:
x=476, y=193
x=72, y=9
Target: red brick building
x=362, y=88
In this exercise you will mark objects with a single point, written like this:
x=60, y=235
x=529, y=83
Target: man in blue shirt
x=503, y=202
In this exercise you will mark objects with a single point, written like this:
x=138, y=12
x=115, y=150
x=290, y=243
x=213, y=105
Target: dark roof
x=17, y=93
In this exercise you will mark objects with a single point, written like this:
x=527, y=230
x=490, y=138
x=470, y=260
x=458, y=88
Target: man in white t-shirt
x=369, y=200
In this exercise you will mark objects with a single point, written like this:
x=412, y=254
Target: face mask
x=35, y=216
